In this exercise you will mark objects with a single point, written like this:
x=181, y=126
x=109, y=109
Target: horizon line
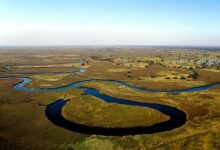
x=116, y=45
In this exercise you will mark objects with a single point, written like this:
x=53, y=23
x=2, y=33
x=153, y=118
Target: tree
x=193, y=75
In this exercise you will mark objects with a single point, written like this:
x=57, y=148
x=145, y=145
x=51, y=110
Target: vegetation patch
x=94, y=112
x=117, y=70
x=51, y=77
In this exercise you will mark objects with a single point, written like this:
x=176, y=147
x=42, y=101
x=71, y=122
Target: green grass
x=94, y=112
x=23, y=121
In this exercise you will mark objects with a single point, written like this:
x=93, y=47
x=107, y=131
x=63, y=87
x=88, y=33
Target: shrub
x=182, y=77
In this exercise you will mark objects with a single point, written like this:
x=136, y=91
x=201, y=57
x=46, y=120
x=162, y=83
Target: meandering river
x=53, y=111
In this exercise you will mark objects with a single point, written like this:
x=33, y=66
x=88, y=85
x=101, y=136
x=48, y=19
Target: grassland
x=94, y=112
x=25, y=126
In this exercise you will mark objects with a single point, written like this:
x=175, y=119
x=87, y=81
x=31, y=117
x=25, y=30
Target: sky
x=110, y=22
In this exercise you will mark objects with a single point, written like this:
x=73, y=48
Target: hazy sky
x=110, y=22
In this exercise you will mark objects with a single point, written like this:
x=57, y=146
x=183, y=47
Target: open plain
x=155, y=74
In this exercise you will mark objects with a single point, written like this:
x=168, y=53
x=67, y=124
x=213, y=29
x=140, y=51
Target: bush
x=129, y=76
x=182, y=77
x=193, y=75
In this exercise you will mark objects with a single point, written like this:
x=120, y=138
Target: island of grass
x=91, y=111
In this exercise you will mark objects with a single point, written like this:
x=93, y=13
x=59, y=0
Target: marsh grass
x=94, y=112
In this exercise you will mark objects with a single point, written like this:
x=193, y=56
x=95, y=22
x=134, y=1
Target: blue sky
x=112, y=22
